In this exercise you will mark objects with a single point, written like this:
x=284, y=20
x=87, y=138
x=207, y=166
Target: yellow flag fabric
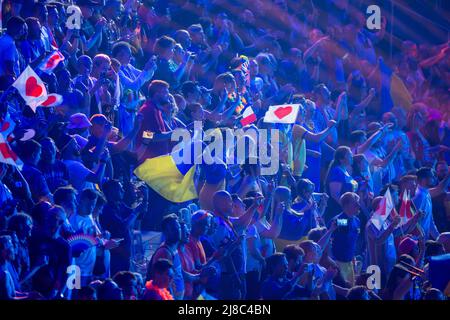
x=400, y=94
x=163, y=176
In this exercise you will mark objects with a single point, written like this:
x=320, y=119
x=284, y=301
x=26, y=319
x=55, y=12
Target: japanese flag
x=31, y=88
x=286, y=113
x=248, y=117
x=51, y=62
x=53, y=100
x=7, y=155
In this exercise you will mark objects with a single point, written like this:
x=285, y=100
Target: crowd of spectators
x=367, y=126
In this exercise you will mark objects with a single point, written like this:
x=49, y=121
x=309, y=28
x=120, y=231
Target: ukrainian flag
x=174, y=182
x=393, y=90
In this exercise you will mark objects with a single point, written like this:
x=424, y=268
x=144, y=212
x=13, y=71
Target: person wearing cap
x=100, y=138
x=409, y=246
x=78, y=127
x=400, y=281
x=80, y=177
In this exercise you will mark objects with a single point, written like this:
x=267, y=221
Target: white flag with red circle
x=31, y=88
x=286, y=113
x=7, y=155
x=51, y=62
x=53, y=100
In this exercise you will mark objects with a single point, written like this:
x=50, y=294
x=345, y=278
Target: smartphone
x=148, y=134
x=342, y=222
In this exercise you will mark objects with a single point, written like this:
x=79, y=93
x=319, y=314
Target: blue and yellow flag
x=393, y=90
x=174, y=182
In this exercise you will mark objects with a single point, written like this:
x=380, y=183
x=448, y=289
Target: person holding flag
x=380, y=242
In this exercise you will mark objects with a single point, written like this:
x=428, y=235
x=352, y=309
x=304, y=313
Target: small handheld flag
x=248, y=117
x=406, y=209
x=31, y=88
x=286, y=114
x=53, y=100
x=51, y=62
x=385, y=208
x=7, y=155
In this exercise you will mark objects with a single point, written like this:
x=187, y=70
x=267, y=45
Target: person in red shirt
x=153, y=138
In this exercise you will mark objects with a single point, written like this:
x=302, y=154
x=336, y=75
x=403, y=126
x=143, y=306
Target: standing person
x=380, y=243
x=339, y=180
x=11, y=61
x=132, y=80
x=46, y=247
x=167, y=70
x=171, y=230
x=229, y=238
x=31, y=154
x=345, y=237
x=119, y=220
x=192, y=276
x=7, y=288
x=158, y=143
x=426, y=180
x=80, y=177
x=200, y=222
x=83, y=223
x=278, y=286
x=53, y=170
x=299, y=137
x=22, y=224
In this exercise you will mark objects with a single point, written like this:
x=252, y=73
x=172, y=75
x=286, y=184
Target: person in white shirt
x=83, y=223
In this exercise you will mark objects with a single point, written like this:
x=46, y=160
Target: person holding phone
x=119, y=220
x=345, y=237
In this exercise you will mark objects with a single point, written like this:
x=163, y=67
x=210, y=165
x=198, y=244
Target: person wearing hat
x=410, y=247
x=80, y=177
x=78, y=127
